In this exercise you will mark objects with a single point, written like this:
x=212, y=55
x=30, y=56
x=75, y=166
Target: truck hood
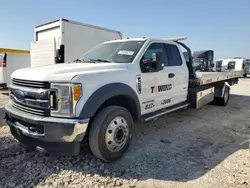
x=64, y=72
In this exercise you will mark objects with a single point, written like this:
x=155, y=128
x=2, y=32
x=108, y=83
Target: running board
x=164, y=111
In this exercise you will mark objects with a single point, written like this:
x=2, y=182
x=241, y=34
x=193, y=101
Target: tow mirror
x=158, y=60
x=153, y=64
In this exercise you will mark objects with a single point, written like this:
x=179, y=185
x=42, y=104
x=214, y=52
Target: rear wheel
x=111, y=133
x=222, y=101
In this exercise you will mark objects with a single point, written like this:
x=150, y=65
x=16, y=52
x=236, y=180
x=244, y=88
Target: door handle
x=171, y=75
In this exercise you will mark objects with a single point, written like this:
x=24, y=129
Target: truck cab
x=106, y=91
x=203, y=60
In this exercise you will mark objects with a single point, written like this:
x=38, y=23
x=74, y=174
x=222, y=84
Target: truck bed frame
x=203, y=78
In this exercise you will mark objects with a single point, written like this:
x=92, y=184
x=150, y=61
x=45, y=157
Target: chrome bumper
x=46, y=129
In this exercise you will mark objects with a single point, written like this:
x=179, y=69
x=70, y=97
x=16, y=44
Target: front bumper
x=54, y=135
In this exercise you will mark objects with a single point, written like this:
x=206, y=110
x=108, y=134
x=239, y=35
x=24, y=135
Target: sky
x=220, y=25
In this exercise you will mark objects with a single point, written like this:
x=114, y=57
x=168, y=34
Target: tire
x=245, y=75
x=111, y=133
x=224, y=100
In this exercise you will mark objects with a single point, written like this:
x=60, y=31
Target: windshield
x=248, y=61
x=197, y=61
x=118, y=52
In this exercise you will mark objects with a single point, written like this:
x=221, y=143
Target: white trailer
x=11, y=60
x=63, y=41
x=235, y=64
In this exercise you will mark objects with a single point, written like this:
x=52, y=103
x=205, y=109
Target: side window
x=157, y=48
x=154, y=48
x=231, y=65
x=173, y=55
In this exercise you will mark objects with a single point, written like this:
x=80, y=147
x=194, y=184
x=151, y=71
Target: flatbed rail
x=203, y=78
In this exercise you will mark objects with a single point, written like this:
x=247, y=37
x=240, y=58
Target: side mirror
x=158, y=59
x=153, y=64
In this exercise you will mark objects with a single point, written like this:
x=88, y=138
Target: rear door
x=175, y=75
x=47, y=42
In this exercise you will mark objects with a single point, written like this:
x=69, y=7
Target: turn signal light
x=77, y=92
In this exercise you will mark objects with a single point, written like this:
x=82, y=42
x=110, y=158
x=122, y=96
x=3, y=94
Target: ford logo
x=19, y=95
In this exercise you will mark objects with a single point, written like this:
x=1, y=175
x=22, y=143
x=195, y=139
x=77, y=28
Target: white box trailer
x=63, y=41
x=11, y=60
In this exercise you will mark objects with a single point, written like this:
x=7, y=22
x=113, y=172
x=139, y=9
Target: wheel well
x=120, y=100
x=123, y=101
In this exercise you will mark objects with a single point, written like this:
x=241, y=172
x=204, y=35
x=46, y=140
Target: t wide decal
x=161, y=88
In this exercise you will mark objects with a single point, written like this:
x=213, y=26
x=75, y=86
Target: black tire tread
x=220, y=101
x=95, y=129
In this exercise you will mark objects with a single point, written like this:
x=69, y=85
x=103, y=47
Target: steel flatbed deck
x=203, y=78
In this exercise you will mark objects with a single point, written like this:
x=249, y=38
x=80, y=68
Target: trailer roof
x=79, y=23
x=14, y=51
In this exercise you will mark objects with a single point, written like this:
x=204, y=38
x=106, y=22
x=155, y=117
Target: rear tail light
x=4, y=60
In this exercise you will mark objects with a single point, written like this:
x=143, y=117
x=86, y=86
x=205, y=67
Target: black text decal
x=161, y=88
x=149, y=106
x=138, y=84
x=166, y=101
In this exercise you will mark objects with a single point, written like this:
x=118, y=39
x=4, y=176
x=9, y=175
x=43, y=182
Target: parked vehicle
x=239, y=64
x=248, y=63
x=11, y=60
x=100, y=96
x=64, y=40
x=203, y=60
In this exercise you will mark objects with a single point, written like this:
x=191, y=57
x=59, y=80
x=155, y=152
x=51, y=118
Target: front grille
x=40, y=112
x=31, y=96
x=32, y=84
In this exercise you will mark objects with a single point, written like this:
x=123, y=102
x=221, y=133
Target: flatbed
x=203, y=78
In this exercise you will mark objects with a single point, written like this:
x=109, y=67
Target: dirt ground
x=191, y=148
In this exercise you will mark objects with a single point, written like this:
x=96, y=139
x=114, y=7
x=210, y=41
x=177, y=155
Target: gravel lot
x=192, y=148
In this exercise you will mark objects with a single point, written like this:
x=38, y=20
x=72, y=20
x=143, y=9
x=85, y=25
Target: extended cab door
x=176, y=74
x=161, y=89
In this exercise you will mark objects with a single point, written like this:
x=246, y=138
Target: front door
x=166, y=87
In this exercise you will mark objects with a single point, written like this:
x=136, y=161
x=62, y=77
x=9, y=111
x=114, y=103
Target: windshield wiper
x=100, y=60
x=78, y=60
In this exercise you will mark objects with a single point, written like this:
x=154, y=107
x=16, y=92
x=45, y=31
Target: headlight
x=66, y=96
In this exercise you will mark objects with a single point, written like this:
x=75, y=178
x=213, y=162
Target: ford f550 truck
x=105, y=92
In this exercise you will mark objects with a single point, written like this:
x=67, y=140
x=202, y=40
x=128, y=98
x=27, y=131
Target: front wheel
x=111, y=133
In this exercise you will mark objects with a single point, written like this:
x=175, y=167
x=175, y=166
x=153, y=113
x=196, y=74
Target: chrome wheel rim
x=117, y=134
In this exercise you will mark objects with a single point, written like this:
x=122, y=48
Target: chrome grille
x=33, y=103
x=31, y=96
x=31, y=110
x=32, y=84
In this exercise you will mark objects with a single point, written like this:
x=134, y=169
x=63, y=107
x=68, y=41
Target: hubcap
x=116, y=134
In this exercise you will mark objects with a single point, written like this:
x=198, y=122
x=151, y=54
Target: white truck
x=62, y=41
x=100, y=97
x=11, y=60
x=229, y=64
